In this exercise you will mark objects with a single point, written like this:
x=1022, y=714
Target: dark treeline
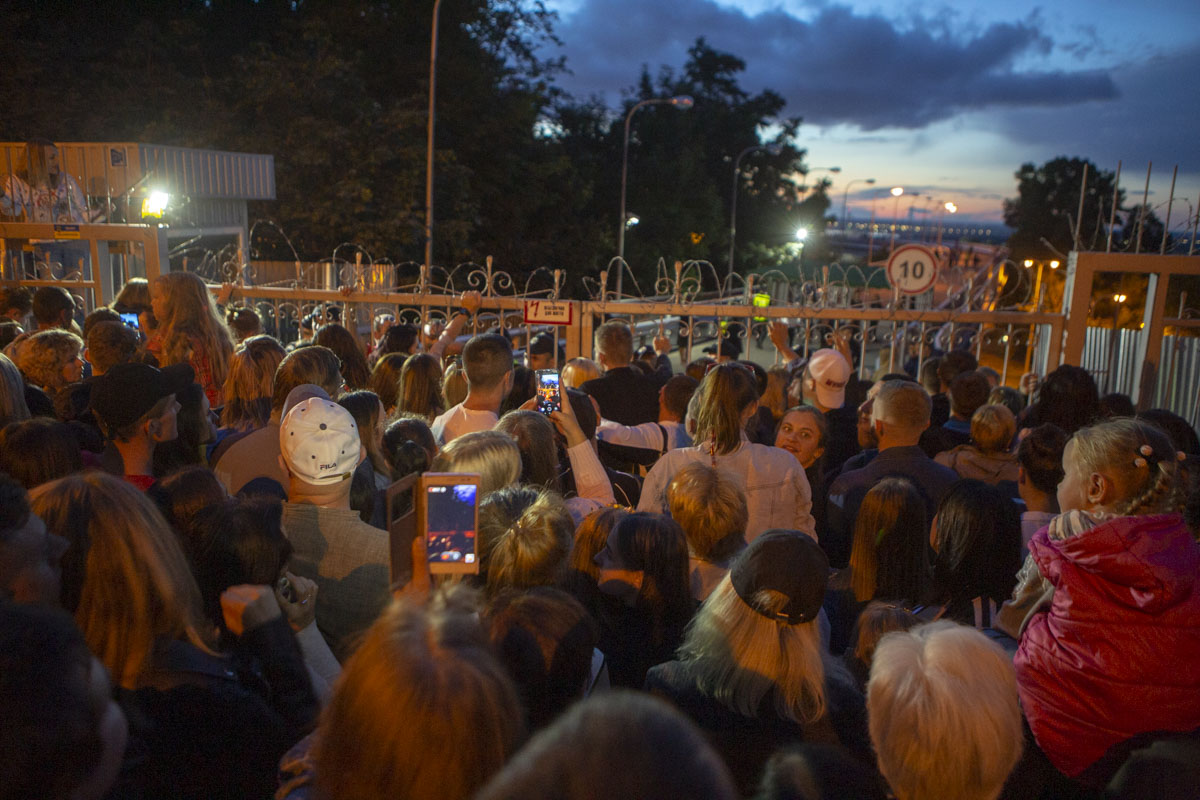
x=337, y=92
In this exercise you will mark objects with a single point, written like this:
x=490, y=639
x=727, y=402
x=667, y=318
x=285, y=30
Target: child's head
x=992, y=428
x=1123, y=466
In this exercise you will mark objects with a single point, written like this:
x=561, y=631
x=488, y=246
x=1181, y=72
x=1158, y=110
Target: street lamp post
x=679, y=101
x=896, y=192
x=846, y=196
x=433, y=38
x=773, y=149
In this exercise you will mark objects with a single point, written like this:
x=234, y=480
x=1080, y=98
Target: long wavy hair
x=355, y=371
x=125, y=577
x=738, y=656
x=385, y=380
x=191, y=321
x=251, y=383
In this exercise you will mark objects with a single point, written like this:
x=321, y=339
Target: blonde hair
x=943, y=714
x=492, y=454
x=12, y=393
x=993, y=427
x=726, y=391
x=125, y=576
x=43, y=356
x=1139, y=458
x=739, y=656
x=525, y=536
x=615, y=340
x=579, y=371
x=590, y=538
x=711, y=508
x=422, y=710
x=191, y=322
x=454, y=385
x=250, y=384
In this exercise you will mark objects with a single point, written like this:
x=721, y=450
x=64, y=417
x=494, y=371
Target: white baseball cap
x=320, y=442
x=830, y=372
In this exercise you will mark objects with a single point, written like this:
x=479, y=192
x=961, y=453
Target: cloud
x=1155, y=120
x=837, y=66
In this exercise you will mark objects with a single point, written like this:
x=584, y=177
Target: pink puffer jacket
x=1118, y=651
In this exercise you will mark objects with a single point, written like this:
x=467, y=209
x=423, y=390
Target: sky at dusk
x=945, y=100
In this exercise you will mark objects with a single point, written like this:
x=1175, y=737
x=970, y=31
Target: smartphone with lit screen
x=549, y=395
x=447, y=516
x=131, y=319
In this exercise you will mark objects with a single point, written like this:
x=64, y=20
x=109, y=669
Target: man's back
x=848, y=489
x=349, y=561
x=255, y=455
x=626, y=396
x=460, y=420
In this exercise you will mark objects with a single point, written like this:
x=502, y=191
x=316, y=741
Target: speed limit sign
x=912, y=269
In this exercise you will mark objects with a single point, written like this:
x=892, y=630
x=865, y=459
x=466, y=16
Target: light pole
x=896, y=192
x=773, y=149
x=679, y=101
x=433, y=38
x=846, y=196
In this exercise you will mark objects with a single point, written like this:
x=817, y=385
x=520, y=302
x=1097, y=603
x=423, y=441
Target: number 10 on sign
x=912, y=269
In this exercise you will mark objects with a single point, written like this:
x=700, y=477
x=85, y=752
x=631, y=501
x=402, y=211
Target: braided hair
x=1142, y=461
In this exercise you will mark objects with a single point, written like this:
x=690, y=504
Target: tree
x=1045, y=210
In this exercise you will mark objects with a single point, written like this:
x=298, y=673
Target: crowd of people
x=726, y=581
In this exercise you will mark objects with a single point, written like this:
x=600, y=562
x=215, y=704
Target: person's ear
x=820, y=451
x=877, y=424
x=1100, y=489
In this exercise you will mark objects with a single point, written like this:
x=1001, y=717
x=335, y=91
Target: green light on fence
x=761, y=300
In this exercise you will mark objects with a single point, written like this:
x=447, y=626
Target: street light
x=846, y=195
x=801, y=234
x=947, y=208
x=679, y=101
x=772, y=149
x=896, y=192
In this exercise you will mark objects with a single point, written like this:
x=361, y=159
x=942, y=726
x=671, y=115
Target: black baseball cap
x=790, y=562
x=123, y=394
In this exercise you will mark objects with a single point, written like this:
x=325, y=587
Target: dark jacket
x=745, y=743
x=626, y=396
x=207, y=726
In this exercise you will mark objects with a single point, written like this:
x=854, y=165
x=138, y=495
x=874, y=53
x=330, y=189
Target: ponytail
x=723, y=395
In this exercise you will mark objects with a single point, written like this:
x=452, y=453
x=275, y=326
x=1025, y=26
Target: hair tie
x=1139, y=462
x=1146, y=450
x=1180, y=455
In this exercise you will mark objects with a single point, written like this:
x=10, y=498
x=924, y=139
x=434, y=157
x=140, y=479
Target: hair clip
x=1139, y=462
x=1180, y=455
x=1146, y=450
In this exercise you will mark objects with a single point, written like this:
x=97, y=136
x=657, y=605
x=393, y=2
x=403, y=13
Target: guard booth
x=145, y=203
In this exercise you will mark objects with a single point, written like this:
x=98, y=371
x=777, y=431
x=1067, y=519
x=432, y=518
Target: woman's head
x=385, y=380
x=1123, y=466
x=590, y=538
x=491, y=454
x=802, y=432
x=977, y=536
x=421, y=386
x=711, y=509
x=756, y=635
x=188, y=318
x=38, y=451
x=726, y=398
x=992, y=428
x=524, y=538
x=240, y=542
x=182, y=496
x=355, y=371
x=251, y=383
x=400, y=338
x=645, y=561
x=422, y=710
x=888, y=556
x=454, y=385
x=134, y=296
x=51, y=359
x=125, y=577
x=409, y=445
x=13, y=407
x=536, y=438
x=545, y=639
x=579, y=371
x=367, y=411
x=877, y=620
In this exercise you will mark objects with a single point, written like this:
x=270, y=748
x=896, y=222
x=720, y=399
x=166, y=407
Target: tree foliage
x=1048, y=203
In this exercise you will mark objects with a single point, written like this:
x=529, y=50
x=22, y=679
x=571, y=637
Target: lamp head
x=897, y=191
x=682, y=101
